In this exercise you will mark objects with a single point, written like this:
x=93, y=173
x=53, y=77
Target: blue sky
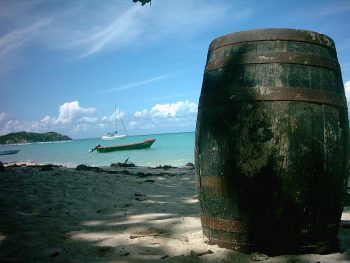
x=64, y=64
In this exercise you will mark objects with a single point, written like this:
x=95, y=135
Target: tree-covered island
x=29, y=137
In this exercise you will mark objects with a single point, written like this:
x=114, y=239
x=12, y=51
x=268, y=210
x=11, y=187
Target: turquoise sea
x=174, y=149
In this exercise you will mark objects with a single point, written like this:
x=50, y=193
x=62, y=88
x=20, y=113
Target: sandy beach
x=135, y=214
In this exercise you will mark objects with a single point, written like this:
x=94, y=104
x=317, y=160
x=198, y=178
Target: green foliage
x=29, y=137
x=143, y=2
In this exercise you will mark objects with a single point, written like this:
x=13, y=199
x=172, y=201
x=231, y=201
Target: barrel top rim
x=265, y=34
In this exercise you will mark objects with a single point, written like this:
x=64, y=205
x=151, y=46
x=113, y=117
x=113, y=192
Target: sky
x=65, y=64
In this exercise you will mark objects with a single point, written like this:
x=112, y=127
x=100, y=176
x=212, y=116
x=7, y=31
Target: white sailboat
x=115, y=135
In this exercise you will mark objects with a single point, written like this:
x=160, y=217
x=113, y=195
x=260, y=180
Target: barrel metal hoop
x=227, y=225
x=275, y=94
x=273, y=57
x=272, y=35
x=244, y=247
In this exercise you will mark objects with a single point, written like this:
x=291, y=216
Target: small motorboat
x=8, y=152
x=123, y=147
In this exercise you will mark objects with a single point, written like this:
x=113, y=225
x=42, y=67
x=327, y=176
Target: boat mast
x=115, y=115
x=123, y=126
x=116, y=127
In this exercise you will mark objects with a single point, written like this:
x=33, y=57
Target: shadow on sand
x=65, y=215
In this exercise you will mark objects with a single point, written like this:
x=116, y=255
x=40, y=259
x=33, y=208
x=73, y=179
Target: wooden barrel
x=272, y=141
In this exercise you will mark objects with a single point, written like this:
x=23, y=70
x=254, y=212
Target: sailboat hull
x=113, y=137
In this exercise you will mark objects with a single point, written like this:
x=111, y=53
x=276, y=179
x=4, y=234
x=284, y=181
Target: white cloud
x=81, y=127
x=69, y=111
x=171, y=111
x=139, y=26
x=12, y=43
x=7, y=125
x=117, y=114
x=112, y=25
x=176, y=116
x=176, y=109
x=71, y=117
x=135, y=84
x=88, y=120
x=140, y=114
x=18, y=37
x=124, y=28
x=17, y=125
x=47, y=120
x=347, y=91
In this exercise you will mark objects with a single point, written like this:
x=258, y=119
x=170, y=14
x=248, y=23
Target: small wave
x=26, y=143
x=29, y=143
x=53, y=142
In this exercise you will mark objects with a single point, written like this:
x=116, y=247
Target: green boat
x=9, y=152
x=123, y=147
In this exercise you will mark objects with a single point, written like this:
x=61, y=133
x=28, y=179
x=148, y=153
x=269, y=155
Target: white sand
x=116, y=215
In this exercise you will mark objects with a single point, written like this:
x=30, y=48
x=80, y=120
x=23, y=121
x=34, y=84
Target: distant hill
x=28, y=137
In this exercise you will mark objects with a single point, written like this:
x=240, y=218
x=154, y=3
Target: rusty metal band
x=275, y=57
x=272, y=34
x=227, y=225
x=274, y=94
x=244, y=247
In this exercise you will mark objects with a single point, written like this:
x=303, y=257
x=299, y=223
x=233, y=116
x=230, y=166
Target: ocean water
x=174, y=149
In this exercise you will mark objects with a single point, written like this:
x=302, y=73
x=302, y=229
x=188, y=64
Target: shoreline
x=113, y=166
x=52, y=213
x=175, y=150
